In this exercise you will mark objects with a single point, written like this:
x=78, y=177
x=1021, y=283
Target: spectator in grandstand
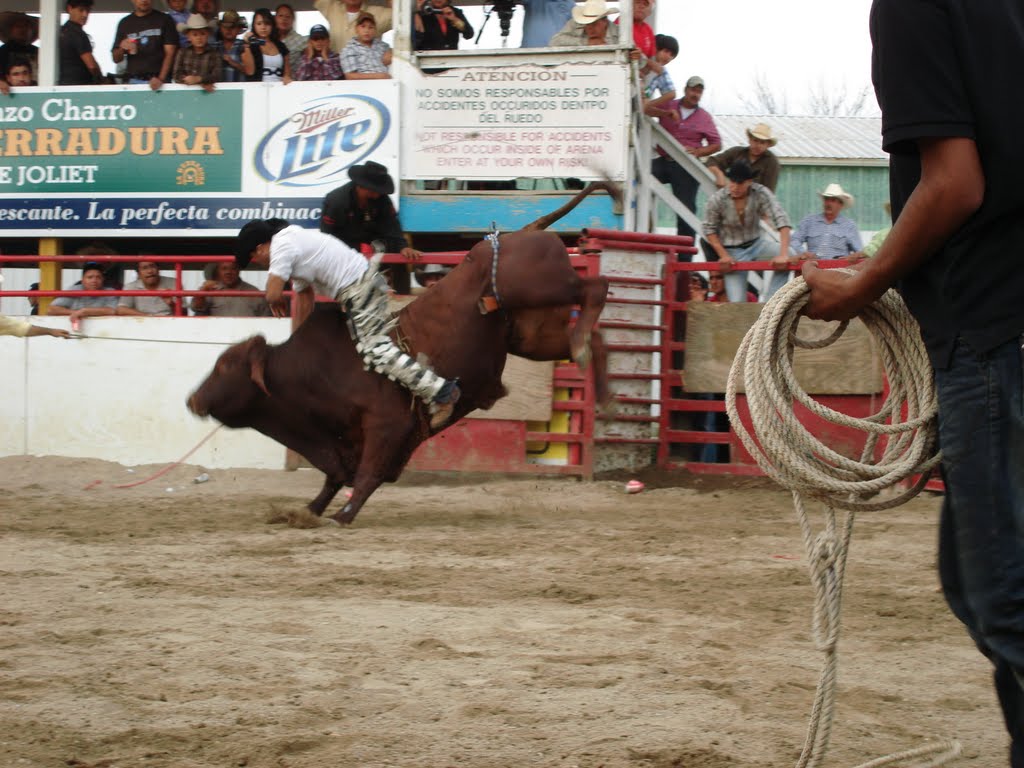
x=876, y=242
x=829, y=234
x=732, y=227
x=643, y=33
x=147, y=39
x=113, y=272
x=149, y=280
x=361, y=211
x=428, y=274
x=33, y=301
x=318, y=61
x=366, y=57
x=230, y=46
x=284, y=18
x=341, y=18
x=19, y=31
x=580, y=29
x=657, y=80
x=225, y=276
x=77, y=64
x=18, y=75
x=208, y=9
x=695, y=130
x=543, y=19
x=265, y=57
x=198, y=64
x=758, y=154
x=438, y=26
x=10, y=326
x=86, y=306
x=179, y=15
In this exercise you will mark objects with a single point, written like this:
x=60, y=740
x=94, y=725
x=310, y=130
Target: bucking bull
x=313, y=395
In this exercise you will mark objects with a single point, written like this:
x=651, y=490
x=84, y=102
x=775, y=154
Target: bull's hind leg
x=593, y=291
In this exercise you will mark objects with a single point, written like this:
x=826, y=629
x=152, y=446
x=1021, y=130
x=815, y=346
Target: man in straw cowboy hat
x=757, y=152
x=829, y=234
x=318, y=263
x=589, y=22
x=360, y=212
x=953, y=138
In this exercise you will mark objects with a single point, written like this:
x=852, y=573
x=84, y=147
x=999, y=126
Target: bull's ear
x=258, y=362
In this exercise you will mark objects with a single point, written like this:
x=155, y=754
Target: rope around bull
x=788, y=453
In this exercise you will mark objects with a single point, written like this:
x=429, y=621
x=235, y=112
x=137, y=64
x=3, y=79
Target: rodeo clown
x=318, y=262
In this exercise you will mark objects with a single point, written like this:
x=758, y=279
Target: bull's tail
x=548, y=219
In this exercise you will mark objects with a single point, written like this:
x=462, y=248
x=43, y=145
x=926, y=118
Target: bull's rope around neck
x=790, y=455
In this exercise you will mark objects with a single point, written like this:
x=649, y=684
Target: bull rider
x=318, y=262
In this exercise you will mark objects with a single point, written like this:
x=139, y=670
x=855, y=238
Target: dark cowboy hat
x=739, y=171
x=372, y=176
x=256, y=232
x=8, y=19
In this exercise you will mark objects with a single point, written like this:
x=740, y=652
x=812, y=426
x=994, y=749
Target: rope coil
x=788, y=453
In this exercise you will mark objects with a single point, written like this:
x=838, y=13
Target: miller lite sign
x=309, y=143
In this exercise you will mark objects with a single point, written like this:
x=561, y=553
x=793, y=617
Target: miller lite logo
x=318, y=143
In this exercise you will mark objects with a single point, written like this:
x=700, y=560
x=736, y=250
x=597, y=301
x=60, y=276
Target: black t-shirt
x=73, y=43
x=153, y=31
x=950, y=68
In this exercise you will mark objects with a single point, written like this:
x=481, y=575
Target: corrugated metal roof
x=813, y=140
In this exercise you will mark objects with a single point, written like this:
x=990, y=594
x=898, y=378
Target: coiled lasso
x=788, y=453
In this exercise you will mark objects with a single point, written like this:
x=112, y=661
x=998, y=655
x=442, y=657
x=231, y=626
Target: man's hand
x=780, y=262
x=411, y=254
x=725, y=263
x=835, y=295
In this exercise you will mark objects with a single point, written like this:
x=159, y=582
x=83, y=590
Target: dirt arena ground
x=475, y=622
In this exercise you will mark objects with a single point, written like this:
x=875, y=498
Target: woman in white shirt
x=265, y=57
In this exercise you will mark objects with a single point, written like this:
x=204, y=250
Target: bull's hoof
x=346, y=515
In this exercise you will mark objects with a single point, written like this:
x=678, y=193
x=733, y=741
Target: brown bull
x=312, y=395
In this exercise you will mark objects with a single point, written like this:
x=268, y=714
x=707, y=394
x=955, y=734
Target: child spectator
x=18, y=75
x=18, y=31
x=656, y=76
x=318, y=61
x=230, y=46
x=265, y=57
x=199, y=64
x=77, y=64
x=366, y=57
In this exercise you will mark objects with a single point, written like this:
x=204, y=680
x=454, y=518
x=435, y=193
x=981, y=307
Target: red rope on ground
x=163, y=471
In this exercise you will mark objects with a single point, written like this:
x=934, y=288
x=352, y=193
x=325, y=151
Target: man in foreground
x=953, y=250
x=314, y=261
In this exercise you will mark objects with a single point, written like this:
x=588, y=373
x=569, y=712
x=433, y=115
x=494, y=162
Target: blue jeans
x=981, y=539
x=763, y=249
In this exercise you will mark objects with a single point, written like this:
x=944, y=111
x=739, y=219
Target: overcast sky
x=795, y=46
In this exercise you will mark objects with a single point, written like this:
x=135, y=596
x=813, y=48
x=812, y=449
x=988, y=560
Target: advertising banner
x=514, y=122
x=128, y=160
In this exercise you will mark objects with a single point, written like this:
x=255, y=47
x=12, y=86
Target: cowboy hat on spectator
x=591, y=11
x=764, y=133
x=232, y=18
x=836, y=191
x=196, y=21
x=9, y=18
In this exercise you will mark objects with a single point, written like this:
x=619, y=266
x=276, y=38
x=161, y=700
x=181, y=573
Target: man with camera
x=439, y=25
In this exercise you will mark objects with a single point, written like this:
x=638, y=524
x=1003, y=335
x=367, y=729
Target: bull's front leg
x=326, y=496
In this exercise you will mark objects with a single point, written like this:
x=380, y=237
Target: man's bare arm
x=951, y=189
